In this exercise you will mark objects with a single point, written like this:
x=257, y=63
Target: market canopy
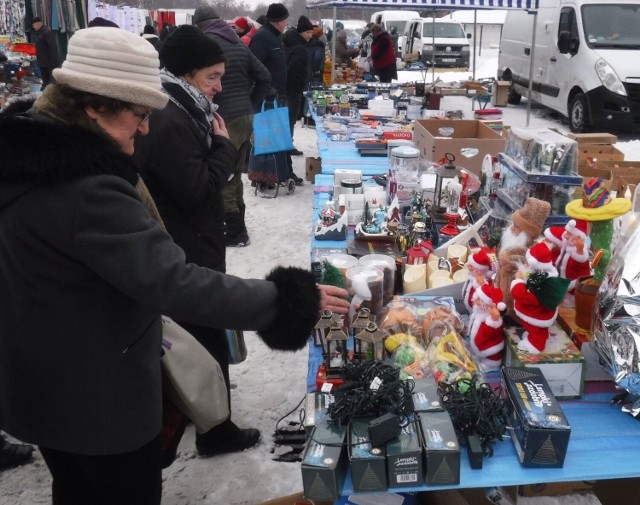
x=424, y=4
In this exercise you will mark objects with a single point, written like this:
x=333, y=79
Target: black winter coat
x=267, y=47
x=85, y=273
x=47, y=53
x=186, y=179
x=246, y=81
x=295, y=49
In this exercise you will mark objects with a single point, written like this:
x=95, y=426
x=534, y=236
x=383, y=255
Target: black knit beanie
x=304, y=25
x=204, y=13
x=277, y=13
x=187, y=49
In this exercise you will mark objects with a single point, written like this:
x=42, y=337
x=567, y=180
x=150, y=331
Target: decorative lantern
x=362, y=319
x=443, y=172
x=335, y=350
x=322, y=327
x=419, y=253
x=454, y=190
x=369, y=344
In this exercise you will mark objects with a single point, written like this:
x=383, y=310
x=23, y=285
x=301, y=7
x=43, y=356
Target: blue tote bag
x=271, y=133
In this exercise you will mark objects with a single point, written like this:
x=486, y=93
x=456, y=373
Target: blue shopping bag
x=271, y=131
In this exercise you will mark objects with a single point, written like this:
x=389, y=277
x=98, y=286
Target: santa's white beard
x=510, y=240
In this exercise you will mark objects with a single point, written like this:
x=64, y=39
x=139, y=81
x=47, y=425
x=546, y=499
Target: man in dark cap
x=245, y=83
x=267, y=47
x=295, y=42
x=47, y=54
x=98, y=21
x=150, y=35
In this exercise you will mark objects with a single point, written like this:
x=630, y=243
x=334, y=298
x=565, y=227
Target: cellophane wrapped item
x=616, y=325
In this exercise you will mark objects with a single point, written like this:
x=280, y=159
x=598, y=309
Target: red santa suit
x=535, y=317
x=571, y=264
x=486, y=337
x=553, y=237
x=479, y=262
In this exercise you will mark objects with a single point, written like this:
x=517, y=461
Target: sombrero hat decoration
x=596, y=203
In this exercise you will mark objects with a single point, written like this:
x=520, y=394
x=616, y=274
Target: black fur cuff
x=298, y=309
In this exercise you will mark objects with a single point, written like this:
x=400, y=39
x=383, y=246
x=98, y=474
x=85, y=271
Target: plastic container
x=388, y=266
x=405, y=159
x=366, y=282
x=342, y=262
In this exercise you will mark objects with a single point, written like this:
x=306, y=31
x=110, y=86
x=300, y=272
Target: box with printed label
x=404, y=457
x=324, y=462
x=425, y=395
x=562, y=363
x=368, y=469
x=441, y=449
x=316, y=410
x=541, y=431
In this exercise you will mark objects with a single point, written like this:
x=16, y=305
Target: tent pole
x=475, y=31
x=531, y=65
x=433, y=47
x=333, y=46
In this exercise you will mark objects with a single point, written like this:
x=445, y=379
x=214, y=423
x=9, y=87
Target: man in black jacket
x=267, y=47
x=47, y=53
x=245, y=83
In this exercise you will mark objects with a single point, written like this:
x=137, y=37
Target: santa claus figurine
x=480, y=272
x=573, y=261
x=486, y=337
x=537, y=291
x=553, y=238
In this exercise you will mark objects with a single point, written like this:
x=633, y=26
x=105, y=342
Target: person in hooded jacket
x=87, y=270
x=295, y=49
x=316, y=49
x=245, y=83
x=383, y=55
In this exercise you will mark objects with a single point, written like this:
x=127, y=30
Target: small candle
x=438, y=274
x=414, y=278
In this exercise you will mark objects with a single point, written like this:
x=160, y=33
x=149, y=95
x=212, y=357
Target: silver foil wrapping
x=616, y=329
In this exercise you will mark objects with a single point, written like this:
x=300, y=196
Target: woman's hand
x=334, y=299
x=219, y=127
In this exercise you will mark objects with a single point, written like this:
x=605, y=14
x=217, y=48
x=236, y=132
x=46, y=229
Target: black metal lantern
x=322, y=327
x=335, y=350
x=369, y=343
x=446, y=171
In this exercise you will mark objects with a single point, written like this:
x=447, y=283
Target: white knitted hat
x=114, y=63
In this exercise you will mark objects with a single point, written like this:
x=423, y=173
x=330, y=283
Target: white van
x=398, y=19
x=438, y=41
x=586, y=61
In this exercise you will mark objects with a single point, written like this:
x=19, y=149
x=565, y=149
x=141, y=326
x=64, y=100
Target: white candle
x=441, y=281
x=438, y=274
x=414, y=278
x=457, y=251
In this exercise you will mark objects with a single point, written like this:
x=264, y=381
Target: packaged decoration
x=542, y=151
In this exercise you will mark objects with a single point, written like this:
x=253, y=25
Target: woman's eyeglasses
x=139, y=114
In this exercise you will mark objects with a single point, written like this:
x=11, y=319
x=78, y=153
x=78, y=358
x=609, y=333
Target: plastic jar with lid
x=388, y=266
x=405, y=159
x=342, y=262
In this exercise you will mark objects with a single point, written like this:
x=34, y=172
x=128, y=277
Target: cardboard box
x=313, y=166
x=467, y=134
x=368, y=464
x=629, y=170
x=593, y=138
x=541, y=431
x=295, y=499
x=404, y=457
x=441, y=449
x=501, y=93
x=599, y=151
x=324, y=462
x=562, y=363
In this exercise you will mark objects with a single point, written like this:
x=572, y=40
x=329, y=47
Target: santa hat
x=539, y=258
x=480, y=261
x=531, y=217
x=554, y=235
x=241, y=23
x=577, y=227
x=489, y=295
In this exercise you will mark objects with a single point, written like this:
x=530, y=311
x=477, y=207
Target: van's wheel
x=578, y=121
x=513, y=98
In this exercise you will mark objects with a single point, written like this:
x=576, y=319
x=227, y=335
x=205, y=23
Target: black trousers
x=132, y=478
x=46, y=76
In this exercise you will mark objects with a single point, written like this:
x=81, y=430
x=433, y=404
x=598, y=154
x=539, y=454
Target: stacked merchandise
x=490, y=117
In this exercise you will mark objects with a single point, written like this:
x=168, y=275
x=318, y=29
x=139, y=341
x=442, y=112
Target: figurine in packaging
x=480, y=272
x=553, y=237
x=526, y=228
x=573, y=261
x=537, y=292
x=486, y=337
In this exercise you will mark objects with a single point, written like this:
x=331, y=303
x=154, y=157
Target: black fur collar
x=39, y=149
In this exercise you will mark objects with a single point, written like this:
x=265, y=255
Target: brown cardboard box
x=556, y=488
x=313, y=167
x=501, y=93
x=593, y=138
x=599, y=151
x=467, y=134
x=629, y=170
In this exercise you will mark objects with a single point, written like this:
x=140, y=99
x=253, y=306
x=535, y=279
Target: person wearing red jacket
x=383, y=55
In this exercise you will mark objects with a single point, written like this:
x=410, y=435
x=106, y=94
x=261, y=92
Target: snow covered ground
x=270, y=384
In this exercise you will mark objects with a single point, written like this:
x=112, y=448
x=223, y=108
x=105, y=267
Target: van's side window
x=568, y=40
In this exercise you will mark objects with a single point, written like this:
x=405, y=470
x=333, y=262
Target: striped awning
x=425, y=4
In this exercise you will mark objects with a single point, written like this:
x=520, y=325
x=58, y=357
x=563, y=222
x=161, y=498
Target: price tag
x=375, y=384
x=326, y=387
